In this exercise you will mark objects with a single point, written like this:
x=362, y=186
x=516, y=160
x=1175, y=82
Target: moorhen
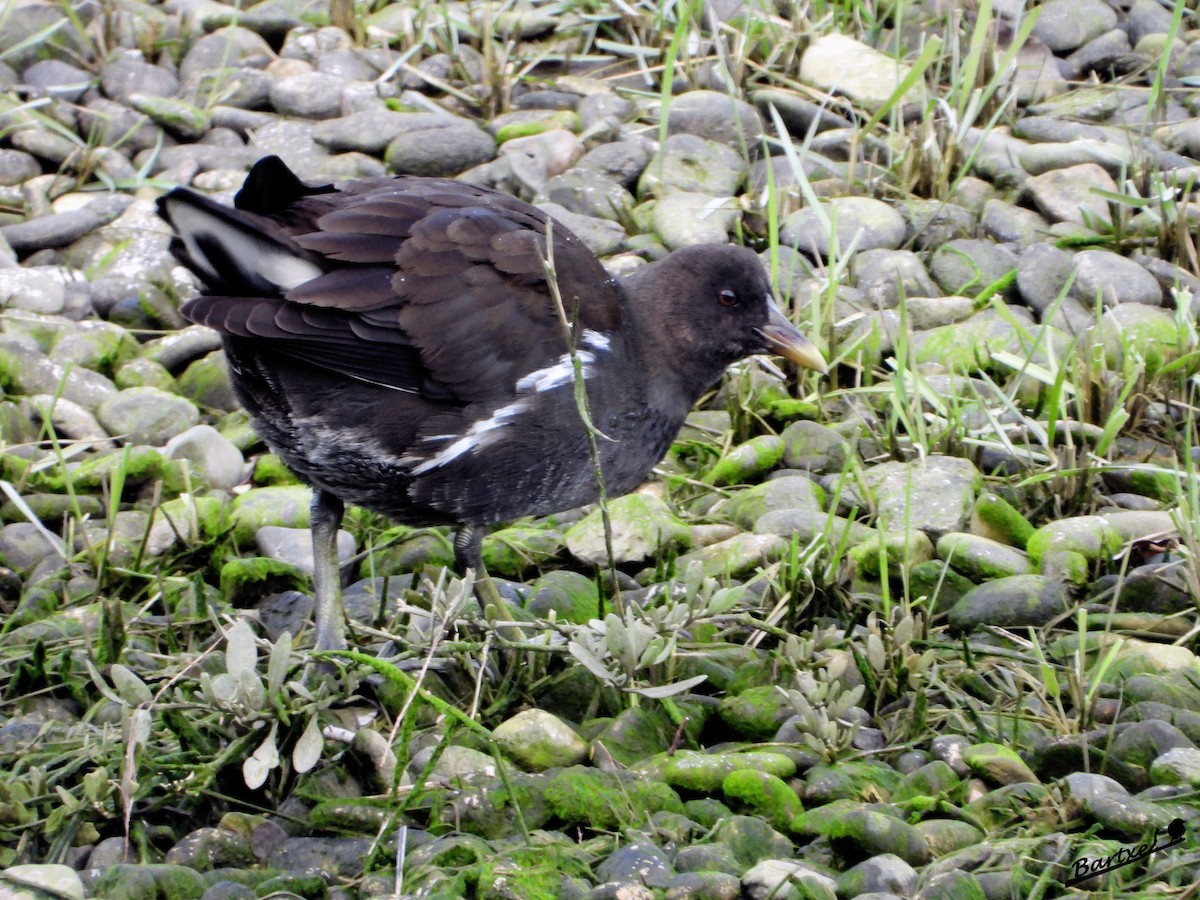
x=398, y=344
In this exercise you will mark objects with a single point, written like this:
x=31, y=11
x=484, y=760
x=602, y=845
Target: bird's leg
x=327, y=576
x=468, y=554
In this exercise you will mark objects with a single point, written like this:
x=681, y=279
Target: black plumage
x=397, y=342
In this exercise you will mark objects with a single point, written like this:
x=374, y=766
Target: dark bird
x=398, y=342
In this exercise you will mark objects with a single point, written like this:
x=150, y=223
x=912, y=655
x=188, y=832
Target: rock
x=969, y=266
x=686, y=162
x=294, y=546
x=1008, y=224
x=772, y=878
x=1070, y=195
x=899, y=549
x=838, y=64
x=70, y=420
x=747, y=460
x=206, y=849
x=213, y=458
x=54, y=78
x=996, y=518
x=859, y=222
x=440, y=151
x=792, y=492
x=23, y=545
x=619, y=161
x=537, y=740
x=225, y=47
x=146, y=415
x=813, y=447
x=705, y=772
x=1010, y=602
x=981, y=558
x=1091, y=536
x=684, y=218
x=642, y=525
x=886, y=872
x=756, y=712
x=1180, y=766
x=587, y=194
x=934, y=495
x=1066, y=25
x=998, y=763
x=887, y=275
x=61, y=229
x=181, y=118
x=149, y=880
x=1151, y=332
x=637, y=863
x=38, y=880
x=286, y=505
x=1112, y=279
x=718, y=117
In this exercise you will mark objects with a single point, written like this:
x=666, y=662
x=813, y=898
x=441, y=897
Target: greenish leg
x=327, y=577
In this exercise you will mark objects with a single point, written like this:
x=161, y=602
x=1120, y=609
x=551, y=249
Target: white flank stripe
x=487, y=431
x=561, y=372
x=563, y=369
x=595, y=339
x=478, y=435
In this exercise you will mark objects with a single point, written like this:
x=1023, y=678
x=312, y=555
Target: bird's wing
x=422, y=285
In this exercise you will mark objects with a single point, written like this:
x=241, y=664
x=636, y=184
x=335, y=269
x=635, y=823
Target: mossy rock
x=150, y=880
x=765, y=794
x=996, y=518
x=285, y=505
x=748, y=460
x=756, y=713
x=571, y=596
x=900, y=550
x=270, y=470
x=518, y=548
x=602, y=800
x=490, y=810
x=257, y=576
x=1091, y=536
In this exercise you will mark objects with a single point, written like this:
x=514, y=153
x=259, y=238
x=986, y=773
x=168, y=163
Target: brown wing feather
x=430, y=286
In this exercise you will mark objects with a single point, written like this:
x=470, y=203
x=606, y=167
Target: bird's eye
x=727, y=298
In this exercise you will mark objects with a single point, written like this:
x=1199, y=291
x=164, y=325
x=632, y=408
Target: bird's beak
x=784, y=338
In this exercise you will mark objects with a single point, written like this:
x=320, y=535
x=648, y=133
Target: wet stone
x=1008, y=602
x=146, y=415
x=861, y=223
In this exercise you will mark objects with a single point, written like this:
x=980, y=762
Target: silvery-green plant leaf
x=101, y=685
x=591, y=662
x=657, y=651
x=250, y=692
x=96, y=786
x=875, y=652
x=669, y=690
x=307, y=752
x=131, y=689
x=139, y=726
x=240, y=653
x=616, y=638
x=723, y=600
x=221, y=690
x=277, y=664
x=259, y=764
